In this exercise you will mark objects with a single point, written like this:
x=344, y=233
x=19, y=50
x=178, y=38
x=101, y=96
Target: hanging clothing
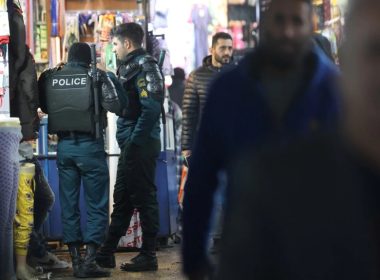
x=72, y=31
x=26, y=100
x=22, y=76
x=160, y=17
x=17, y=50
x=201, y=18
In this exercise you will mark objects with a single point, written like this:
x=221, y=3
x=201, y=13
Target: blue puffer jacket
x=236, y=118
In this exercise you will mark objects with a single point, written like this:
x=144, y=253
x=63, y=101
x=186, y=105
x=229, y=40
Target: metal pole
x=146, y=19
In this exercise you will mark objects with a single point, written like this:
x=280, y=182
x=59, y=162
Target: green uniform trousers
x=79, y=161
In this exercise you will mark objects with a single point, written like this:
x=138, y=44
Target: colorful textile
x=23, y=224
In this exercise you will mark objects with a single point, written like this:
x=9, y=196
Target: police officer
x=138, y=136
x=67, y=96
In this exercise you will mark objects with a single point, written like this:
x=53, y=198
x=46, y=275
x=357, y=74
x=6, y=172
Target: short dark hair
x=220, y=35
x=79, y=52
x=179, y=74
x=132, y=31
x=264, y=18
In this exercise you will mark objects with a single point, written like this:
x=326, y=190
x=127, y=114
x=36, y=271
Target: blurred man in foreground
x=283, y=90
x=311, y=210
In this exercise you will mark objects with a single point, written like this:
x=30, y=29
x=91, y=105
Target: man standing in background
x=197, y=85
x=195, y=97
x=177, y=88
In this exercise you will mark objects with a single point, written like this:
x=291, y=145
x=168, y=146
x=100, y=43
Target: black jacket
x=18, y=51
x=194, y=100
x=22, y=76
x=142, y=80
x=25, y=102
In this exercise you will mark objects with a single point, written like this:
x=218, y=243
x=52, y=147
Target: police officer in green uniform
x=138, y=136
x=67, y=96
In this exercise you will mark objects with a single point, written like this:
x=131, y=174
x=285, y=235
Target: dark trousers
x=90, y=168
x=135, y=188
x=43, y=202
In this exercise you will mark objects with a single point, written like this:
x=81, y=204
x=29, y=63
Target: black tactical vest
x=70, y=100
x=126, y=75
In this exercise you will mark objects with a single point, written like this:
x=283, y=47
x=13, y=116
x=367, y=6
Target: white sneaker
x=50, y=261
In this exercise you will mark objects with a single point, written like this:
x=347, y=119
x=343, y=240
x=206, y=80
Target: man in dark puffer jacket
x=196, y=88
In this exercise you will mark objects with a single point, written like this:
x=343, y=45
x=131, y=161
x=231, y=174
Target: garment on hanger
x=160, y=19
x=17, y=51
x=54, y=8
x=106, y=23
x=4, y=73
x=201, y=18
x=72, y=30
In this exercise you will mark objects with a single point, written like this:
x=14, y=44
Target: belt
x=74, y=134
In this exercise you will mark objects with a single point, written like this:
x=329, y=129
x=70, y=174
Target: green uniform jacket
x=142, y=80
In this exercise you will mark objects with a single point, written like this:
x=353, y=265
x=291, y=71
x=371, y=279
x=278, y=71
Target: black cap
x=80, y=52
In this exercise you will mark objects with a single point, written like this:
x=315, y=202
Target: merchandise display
x=4, y=65
x=329, y=21
x=95, y=27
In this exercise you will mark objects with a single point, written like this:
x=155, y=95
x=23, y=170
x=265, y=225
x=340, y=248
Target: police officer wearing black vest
x=67, y=96
x=138, y=136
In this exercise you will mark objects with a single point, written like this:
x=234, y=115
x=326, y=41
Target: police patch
x=69, y=81
x=144, y=94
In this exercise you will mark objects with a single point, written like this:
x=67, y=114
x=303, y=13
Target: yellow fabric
x=23, y=223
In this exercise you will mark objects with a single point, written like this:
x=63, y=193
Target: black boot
x=146, y=260
x=89, y=268
x=105, y=259
x=74, y=249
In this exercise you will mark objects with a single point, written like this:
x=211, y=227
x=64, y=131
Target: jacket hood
x=207, y=63
x=132, y=55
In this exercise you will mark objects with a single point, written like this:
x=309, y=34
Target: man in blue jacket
x=284, y=90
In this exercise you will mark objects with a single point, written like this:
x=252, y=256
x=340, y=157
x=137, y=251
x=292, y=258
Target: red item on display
x=4, y=40
x=327, y=9
x=237, y=36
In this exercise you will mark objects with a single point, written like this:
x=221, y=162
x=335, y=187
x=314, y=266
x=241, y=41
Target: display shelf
x=100, y=5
